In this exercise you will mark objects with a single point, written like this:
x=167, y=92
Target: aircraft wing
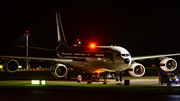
x=153, y=56
x=38, y=58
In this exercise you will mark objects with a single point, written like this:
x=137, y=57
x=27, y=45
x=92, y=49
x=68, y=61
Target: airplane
x=92, y=59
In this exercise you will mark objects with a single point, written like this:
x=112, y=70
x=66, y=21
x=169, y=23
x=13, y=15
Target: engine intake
x=136, y=70
x=168, y=64
x=11, y=66
x=61, y=70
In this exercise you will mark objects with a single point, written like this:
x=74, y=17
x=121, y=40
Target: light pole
x=27, y=34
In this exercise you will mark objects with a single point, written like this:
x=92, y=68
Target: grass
x=86, y=92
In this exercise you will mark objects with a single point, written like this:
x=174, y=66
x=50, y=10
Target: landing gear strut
x=119, y=75
x=105, y=78
x=93, y=77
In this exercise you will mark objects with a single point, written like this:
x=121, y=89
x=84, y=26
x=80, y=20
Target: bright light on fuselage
x=92, y=45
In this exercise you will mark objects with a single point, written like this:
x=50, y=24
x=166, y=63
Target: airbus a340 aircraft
x=91, y=60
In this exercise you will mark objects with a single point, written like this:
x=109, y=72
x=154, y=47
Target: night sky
x=142, y=27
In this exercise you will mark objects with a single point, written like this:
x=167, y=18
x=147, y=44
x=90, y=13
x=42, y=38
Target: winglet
x=61, y=36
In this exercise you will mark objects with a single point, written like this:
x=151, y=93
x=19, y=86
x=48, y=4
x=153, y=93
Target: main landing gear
x=89, y=77
x=106, y=75
x=95, y=77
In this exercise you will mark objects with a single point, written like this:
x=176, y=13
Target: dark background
x=142, y=27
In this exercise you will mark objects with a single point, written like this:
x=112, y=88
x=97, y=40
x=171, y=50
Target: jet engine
x=168, y=64
x=136, y=70
x=11, y=66
x=60, y=71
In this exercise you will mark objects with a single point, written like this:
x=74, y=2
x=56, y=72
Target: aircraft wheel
x=105, y=83
x=161, y=82
x=117, y=78
x=89, y=82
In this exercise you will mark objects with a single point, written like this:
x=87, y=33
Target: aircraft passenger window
x=63, y=53
x=70, y=54
x=99, y=54
x=76, y=53
x=82, y=54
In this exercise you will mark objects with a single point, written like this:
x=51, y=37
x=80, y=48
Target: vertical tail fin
x=61, y=36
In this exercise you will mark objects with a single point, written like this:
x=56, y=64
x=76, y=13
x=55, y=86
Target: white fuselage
x=103, y=58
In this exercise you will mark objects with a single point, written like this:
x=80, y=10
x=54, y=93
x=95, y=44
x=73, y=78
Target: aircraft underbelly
x=93, y=64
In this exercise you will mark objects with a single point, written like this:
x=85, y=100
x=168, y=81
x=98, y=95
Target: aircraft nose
x=126, y=61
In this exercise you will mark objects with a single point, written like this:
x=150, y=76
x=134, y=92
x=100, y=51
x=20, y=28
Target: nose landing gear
x=119, y=75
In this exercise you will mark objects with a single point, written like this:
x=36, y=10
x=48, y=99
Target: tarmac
x=145, y=80
x=18, y=87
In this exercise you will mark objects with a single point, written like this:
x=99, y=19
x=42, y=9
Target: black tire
x=161, y=82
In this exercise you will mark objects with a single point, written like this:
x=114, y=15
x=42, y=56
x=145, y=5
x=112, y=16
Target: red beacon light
x=92, y=46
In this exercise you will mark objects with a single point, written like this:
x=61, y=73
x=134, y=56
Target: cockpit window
x=124, y=55
x=127, y=54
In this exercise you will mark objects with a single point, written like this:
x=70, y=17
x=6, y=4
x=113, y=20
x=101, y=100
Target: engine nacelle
x=60, y=71
x=11, y=66
x=136, y=70
x=168, y=64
